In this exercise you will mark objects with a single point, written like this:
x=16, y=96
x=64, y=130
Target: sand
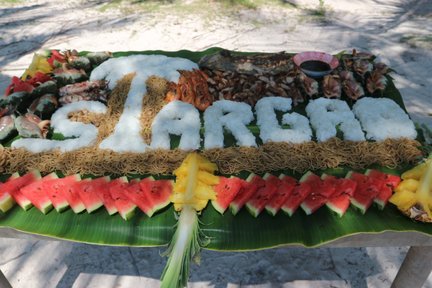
x=396, y=30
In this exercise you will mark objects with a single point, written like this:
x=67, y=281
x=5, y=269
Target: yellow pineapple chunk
x=204, y=192
x=208, y=166
x=415, y=173
x=178, y=207
x=199, y=204
x=404, y=199
x=208, y=178
x=177, y=198
x=194, y=181
x=408, y=184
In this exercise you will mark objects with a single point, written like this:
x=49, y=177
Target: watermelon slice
x=367, y=189
x=124, y=206
x=13, y=187
x=321, y=190
x=6, y=199
x=62, y=194
x=263, y=195
x=158, y=192
x=104, y=194
x=300, y=192
x=137, y=196
x=150, y=195
x=36, y=194
x=87, y=191
x=226, y=191
x=390, y=183
x=340, y=200
x=284, y=190
x=251, y=185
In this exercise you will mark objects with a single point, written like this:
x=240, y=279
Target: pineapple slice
x=208, y=178
x=204, y=192
x=404, y=199
x=415, y=173
x=408, y=184
x=415, y=189
x=194, y=183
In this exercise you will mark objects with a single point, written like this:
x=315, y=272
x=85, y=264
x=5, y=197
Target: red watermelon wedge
x=37, y=195
x=251, y=185
x=87, y=191
x=137, y=196
x=157, y=191
x=62, y=195
x=6, y=199
x=366, y=191
x=117, y=189
x=263, y=195
x=340, y=200
x=321, y=190
x=390, y=183
x=13, y=187
x=226, y=191
x=300, y=192
x=284, y=190
x=103, y=192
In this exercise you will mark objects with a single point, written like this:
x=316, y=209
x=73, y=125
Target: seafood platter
x=201, y=149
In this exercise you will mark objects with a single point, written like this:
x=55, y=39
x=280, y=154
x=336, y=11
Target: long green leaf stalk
x=185, y=246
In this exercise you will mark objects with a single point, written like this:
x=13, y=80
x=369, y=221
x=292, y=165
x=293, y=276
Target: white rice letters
x=180, y=119
x=86, y=134
x=382, y=118
x=127, y=132
x=233, y=116
x=326, y=115
x=270, y=130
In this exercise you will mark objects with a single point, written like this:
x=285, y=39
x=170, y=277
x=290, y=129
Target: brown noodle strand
x=266, y=158
x=152, y=103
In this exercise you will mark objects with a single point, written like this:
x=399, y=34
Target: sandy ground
x=398, y=31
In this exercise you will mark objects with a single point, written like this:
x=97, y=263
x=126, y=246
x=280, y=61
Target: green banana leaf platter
x=226, y=232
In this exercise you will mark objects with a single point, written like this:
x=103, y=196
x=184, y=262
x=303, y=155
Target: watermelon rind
x=252, y=210
x=6, y=202
x=359, y=205
x=335, y=209
x=338, y=210
x=128, y=214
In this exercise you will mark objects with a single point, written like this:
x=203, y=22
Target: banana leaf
x=240, y=233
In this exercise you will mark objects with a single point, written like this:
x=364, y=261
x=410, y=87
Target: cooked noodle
x=266, y=158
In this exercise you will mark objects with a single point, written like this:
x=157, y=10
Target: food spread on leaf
x=181, y=131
